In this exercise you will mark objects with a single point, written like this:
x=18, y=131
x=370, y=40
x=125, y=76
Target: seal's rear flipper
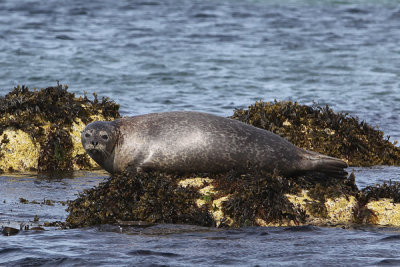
x=324, y=164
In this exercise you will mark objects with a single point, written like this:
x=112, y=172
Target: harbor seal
x=195, y=142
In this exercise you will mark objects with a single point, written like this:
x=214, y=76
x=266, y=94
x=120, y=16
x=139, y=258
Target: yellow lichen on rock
x=207, y=192
x=286, y=123
x=203, y=187
x=263, y=223
x=218, y=214
x=18, y=150
x=387, y=213
x=197, y=182
x=300, y=200
x=97, y=117
x=340, y=210
x=75, y=133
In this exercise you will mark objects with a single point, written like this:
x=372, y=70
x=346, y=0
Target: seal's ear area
x=86, y=133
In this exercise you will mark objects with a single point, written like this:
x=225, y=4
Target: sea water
x=212, y=56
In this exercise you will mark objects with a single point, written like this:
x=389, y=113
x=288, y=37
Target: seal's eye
x=87, y=135
x=104, y=136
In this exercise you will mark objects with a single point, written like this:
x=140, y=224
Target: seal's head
x=99, y=139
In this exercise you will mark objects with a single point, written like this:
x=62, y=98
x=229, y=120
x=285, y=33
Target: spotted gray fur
x=187, y=142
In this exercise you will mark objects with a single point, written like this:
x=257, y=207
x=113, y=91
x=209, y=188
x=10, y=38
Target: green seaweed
x=55, y=153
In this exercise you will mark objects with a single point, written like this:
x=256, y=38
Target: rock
x=40, y=129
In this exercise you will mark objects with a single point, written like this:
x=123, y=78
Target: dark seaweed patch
x=157, y=198
x=386, y=190
x=363, y=215
x=258, y=195
x=149, y=197
x=262, y=195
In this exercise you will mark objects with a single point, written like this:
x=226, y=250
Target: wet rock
x=224, y=200
x=8, y=231
x=234, y=200
x=148, y=197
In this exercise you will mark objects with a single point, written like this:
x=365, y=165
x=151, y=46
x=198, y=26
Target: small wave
x=390, y=238
x=40, y=261
x=389, y=262
x=9, y=250
x=303, y=228
x=78, y=11
x=64, y=37
x=143, y=252
x=148, y=3
x=355, y=10
x=204, y=15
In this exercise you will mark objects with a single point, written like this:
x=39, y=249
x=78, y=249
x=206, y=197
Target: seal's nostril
x=95, y=143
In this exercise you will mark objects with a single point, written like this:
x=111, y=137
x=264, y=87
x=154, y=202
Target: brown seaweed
x=33, y=111
x=149, y=197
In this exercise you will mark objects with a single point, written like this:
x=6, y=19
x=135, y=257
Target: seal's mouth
x=94, y=151
x=98, y=153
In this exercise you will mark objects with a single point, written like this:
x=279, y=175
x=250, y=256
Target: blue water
x=211, y=56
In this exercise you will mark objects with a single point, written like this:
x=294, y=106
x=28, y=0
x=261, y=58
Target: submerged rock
x=40, y=129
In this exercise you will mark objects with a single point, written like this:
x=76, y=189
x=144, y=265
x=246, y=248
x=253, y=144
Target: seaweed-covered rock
x=229, y=199
x=379, y=204
x=40, y=129
x=149, y=197
x=235, y=200
x=322, y=130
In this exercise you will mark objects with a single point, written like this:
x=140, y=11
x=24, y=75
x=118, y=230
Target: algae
x=39, y=129
x=375, y=202
x=223, y=200
x=257, y=196
x=149, y=197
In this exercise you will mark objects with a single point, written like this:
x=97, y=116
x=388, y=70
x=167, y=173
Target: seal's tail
x=324, y=164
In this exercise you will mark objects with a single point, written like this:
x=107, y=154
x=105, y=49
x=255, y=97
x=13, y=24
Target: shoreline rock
x=234, y=200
